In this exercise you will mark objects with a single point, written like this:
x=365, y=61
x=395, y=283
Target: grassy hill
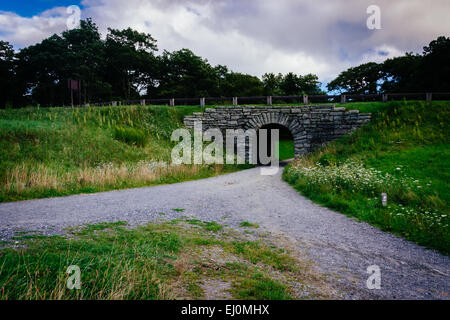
x=404, y=152
x=61, y=151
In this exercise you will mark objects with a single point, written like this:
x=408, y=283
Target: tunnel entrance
x=285, y=144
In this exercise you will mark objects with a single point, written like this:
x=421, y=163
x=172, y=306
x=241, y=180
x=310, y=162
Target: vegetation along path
x=340, y=248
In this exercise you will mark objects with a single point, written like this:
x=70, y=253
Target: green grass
x=207, y=225
x=246, y=224
x=258, y=287
x=47, y=152
x=156, y=261
x=404, y=152
x=286, y=150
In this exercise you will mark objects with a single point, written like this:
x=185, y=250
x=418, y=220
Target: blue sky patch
x=31, y=8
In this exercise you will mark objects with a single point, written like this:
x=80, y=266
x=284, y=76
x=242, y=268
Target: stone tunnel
x=310, y=126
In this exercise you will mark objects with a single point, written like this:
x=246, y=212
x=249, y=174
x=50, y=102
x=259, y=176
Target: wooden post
x=269, y=101
x=429, y=97
x=235, y=101
x=202, y=102
x=305, y=99
x=384, y=97
x=343, y=98
x=143, y=102
x=172, y=102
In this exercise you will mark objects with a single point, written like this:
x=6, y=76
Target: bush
x=130, y=136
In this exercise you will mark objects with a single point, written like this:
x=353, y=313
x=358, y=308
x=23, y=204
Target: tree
x=78, y=54
x=86, y=60
x=358, y=80
x=292, y=84
x=400, y=73
x=132, y=64
x=186, y=75
x=241, y=85
x=289, y=84
x=271, y=83
x=309, y=84
x=434, y=73
x=7, y=88
x=409, y=73
x=43, y=70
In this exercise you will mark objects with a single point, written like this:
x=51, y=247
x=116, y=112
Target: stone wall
x=311, y=126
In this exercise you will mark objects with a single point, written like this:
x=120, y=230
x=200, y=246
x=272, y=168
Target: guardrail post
x=114, y=103
x=172, y=102
x=269, y=100
x=202, y=102
x=235, y=101
x=143, y=102
x=343, y=98
x=305, y=99
x=384, y=97
x=429, y=97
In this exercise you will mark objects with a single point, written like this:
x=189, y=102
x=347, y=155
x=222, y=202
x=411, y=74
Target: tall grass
x=61, y=151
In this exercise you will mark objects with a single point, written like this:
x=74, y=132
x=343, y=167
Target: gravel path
x=340, y=247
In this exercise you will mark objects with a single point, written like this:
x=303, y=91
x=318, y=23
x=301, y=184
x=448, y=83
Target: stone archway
x=311, y=126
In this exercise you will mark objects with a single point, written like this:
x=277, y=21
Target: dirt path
x=340, y=247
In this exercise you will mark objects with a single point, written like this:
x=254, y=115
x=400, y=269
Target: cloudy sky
x=251, y=36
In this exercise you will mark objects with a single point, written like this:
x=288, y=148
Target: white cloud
x=22, y=31
x=259, y=36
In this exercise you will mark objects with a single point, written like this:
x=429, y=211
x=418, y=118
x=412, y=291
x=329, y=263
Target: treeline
x=124, y=66
x=426, y=72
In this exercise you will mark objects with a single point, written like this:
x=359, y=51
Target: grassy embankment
x=404, y=152
x=182, y=259
x=48, y=152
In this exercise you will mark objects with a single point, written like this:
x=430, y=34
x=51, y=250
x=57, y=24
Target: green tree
x=400, y=73
x=362, y=79
x=7, y=74
x=271, y=83
x=241, y=85
x=43, y=69
x=133, y=66
x=434, y=73
x=78, y=54
x=186, y=75
x=292, y=84
x=289, y=84
x=86, y=60
x=309, y=84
